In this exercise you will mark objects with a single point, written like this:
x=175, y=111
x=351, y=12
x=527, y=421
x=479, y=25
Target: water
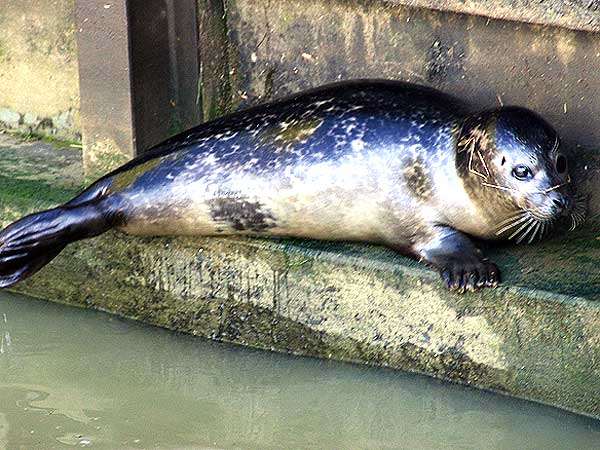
x=74, y=378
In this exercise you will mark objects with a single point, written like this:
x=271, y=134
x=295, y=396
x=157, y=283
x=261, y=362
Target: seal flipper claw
x=462, y=266
x=467, y=276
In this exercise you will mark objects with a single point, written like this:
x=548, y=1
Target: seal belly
x=331, y=200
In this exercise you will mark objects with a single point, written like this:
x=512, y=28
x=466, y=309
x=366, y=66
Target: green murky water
x=73, y=378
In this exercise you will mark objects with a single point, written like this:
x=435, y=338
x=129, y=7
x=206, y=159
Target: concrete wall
x=38, y=67
x=283, y=46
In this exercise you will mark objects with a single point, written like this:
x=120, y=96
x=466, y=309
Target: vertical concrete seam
x=214, y=58
x=173, y=59
x=130, y=74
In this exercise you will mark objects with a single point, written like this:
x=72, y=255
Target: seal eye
x=561, y=164
x=522, y=172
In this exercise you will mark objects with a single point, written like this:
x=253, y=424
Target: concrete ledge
x=352, y=303
x=536, y=337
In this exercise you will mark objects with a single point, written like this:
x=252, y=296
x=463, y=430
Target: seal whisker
x=535, y=232
x=553, y=188
x=576, y=220
x=555, y=146
x=471, y=153
x=543, y=230
x=511, y=218
x=573, y=223
x=484, y=165
x=496, y=186
x=578, y=215
x=522, y=227
x=517, y=220
x=526, y=231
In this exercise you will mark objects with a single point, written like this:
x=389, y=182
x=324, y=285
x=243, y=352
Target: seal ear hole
x=503, y=161
x=561, y=164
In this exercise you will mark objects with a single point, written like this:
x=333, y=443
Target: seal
x=368, y=160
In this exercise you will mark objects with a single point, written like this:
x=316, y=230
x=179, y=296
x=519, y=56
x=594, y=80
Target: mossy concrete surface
x=38, y=67
x=537, y=336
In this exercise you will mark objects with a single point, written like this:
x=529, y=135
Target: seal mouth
x=525, y=226
x=528, y=225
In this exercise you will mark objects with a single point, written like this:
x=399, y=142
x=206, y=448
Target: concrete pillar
x=138, y=68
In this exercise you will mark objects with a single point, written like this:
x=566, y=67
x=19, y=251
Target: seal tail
x=32, y=242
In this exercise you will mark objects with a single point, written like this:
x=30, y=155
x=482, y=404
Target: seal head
x=513, y=167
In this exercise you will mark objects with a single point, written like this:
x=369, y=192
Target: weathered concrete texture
x=38, y=67
x=282, y=46
x=33, y=174
x=537, y=336
x=574, y=14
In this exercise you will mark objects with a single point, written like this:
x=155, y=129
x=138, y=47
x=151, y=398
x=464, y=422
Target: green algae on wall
x=215, y=76
x=38, y=67
x=36, y=175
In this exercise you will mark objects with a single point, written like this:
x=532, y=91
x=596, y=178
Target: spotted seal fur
x=379, y=161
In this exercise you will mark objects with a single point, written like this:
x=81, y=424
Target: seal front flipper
x=30, y=243
x=462, y=265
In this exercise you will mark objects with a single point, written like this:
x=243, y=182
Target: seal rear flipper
x=30, y=243
x=94, y=193
x=18, y=269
